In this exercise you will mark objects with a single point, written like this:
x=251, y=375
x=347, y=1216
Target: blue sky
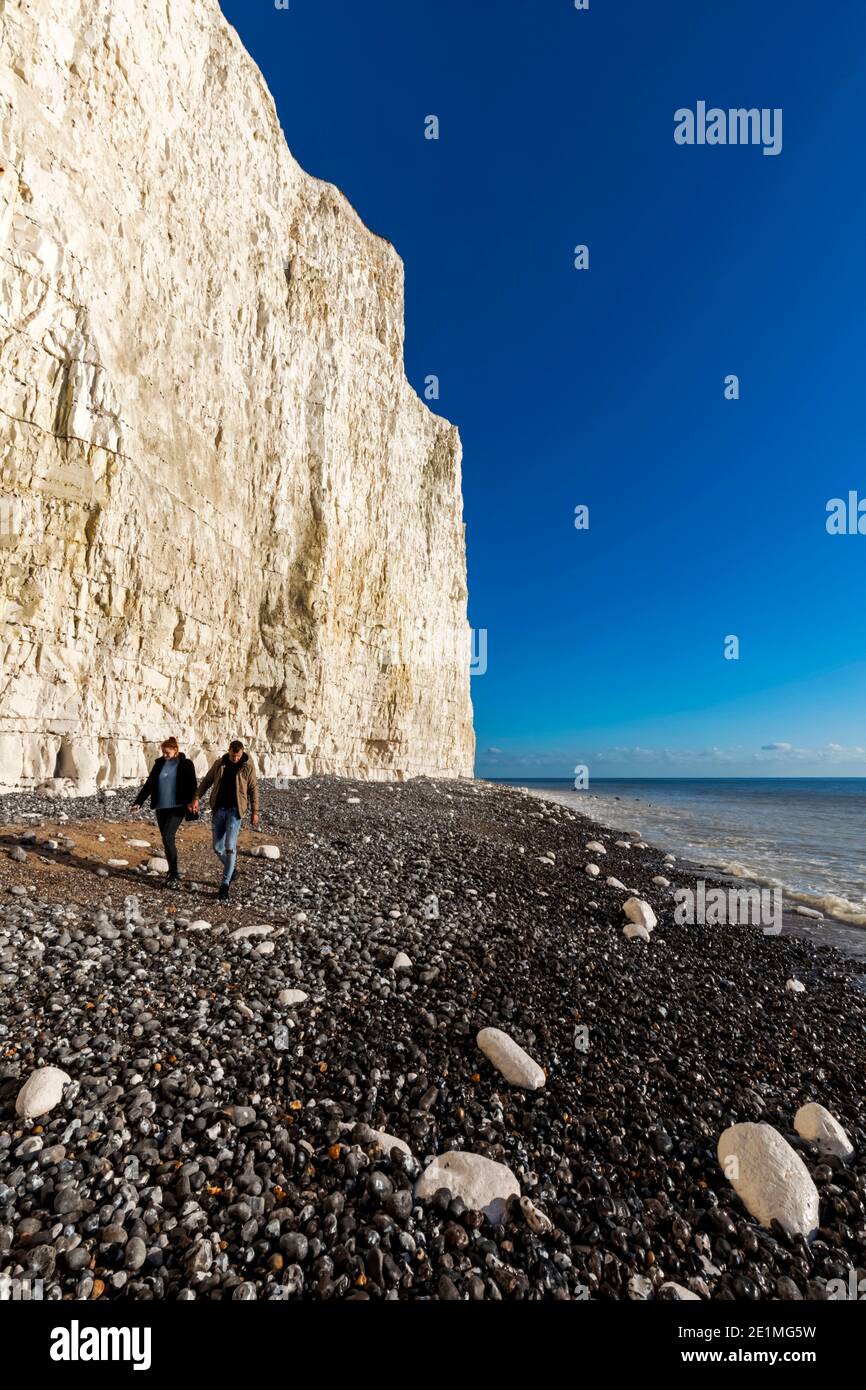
x=605, y=387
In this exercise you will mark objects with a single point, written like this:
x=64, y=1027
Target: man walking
x=234, y=787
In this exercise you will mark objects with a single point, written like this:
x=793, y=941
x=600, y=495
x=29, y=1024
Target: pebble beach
x=449, y=1044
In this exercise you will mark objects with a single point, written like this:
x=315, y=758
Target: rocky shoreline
x=230, y=1067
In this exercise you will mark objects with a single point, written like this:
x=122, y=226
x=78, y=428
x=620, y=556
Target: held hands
x=255, y=820
x=193, y=806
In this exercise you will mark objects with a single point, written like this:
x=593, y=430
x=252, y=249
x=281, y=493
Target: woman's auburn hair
x=170, y=743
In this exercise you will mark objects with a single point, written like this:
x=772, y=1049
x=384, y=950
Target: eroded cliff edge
x=223, y=509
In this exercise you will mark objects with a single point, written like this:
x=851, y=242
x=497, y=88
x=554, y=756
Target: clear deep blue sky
x=606, y=387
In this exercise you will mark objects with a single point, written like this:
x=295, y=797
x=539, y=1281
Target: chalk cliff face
x=223, y=510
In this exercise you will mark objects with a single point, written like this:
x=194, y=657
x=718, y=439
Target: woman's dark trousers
x=169, y=821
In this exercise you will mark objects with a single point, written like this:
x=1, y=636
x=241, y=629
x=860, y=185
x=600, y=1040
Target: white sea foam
x=831, y=904
x=813, y=852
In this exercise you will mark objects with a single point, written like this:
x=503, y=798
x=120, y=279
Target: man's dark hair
x=236, y=746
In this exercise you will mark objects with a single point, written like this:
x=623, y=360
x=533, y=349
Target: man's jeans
x=226, y=828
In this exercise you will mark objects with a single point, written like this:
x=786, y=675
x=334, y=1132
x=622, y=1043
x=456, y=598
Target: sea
x=806, y=835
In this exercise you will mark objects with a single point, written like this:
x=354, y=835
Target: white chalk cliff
x=223, y=510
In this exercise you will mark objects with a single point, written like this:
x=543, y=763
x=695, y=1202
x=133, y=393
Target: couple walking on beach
x=175, y=793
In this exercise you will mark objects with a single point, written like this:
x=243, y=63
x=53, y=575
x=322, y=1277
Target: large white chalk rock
x=289, y=997
x=770, y=1178
x=639, y=912
x=248, y=932
x=817, y=1124
x=510, y=1060
x=189, y=319
x=632, y=932
x=482, y=1184
x=42, y=1090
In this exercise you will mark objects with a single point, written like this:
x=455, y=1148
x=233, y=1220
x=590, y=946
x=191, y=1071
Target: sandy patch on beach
x=65, y=875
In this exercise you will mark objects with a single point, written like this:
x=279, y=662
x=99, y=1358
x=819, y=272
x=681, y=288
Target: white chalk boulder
x=795, y=987
x=288, y=997
x=42, y=1090
x=596, y=847
x=510, y=1060
x=771, y=1180
x=639, y=912
x=268, y=851
x=593, y=870
x=401, y=962
x=157, y=865
x=615, y=883
x=481, y=1183
x=386, y=1142
x=244, y=933
x=677, y=1294
x=635, y=933
x=815, y=1123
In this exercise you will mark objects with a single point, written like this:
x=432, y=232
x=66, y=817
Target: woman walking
x=171, y=786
